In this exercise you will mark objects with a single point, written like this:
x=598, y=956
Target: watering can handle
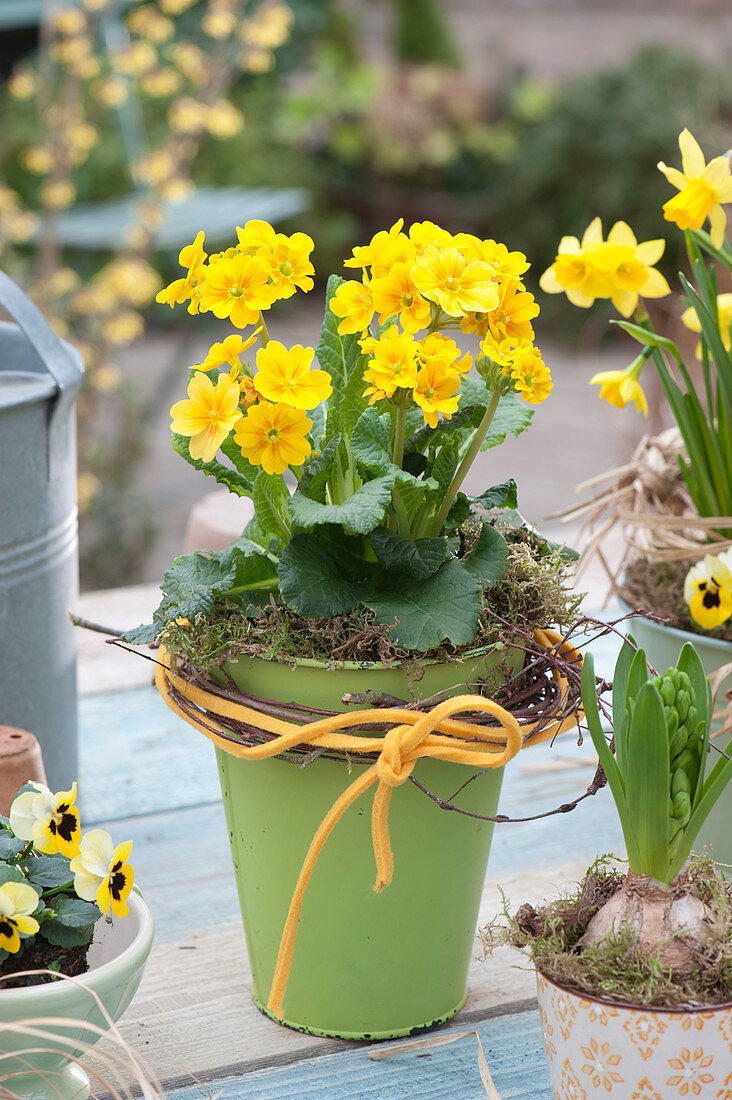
x=58, y=361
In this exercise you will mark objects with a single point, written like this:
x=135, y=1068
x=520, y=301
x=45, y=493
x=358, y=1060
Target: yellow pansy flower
x=208, y=414
x=396, y=293
x=238, y=288
x=17, y=901
x=192, y=257
x=393, y=363
x=708, y=590
x=228, y=351
x=354, y=302
x=284, y=375
x=288, y=259
x=724, y=311
x=274, y=436
x=444, y=276
x=436, y=391
x=618, y=387
x=102, y=873
x=51, y=821
x=702, y=189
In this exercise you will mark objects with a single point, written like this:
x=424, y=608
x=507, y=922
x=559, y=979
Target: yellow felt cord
x=412, y=735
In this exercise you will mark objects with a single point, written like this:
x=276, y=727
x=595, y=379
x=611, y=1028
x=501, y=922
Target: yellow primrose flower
x=285, y=375
x=527, y=370
x=506, y=265
x=618, y=387
x=17, y=901
x=511, y=320
x=237, y=288
x=102, y=873
x=702, y=189
x=444, y=276
x=386, y=248
x=424, y=234
x=396, y=293
x=207, y=415
x=393, y=363
x=51, y=821
x=255, y=234
x=192, y=257
x=289, y=262
x=724, y=312
x=353, y=302
x=436, y=392
x=274, y=436
x=228, y=351
x=708, y=590
x=441, y=351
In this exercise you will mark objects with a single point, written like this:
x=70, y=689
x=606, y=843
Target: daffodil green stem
x=467, y=462
x=265, y=337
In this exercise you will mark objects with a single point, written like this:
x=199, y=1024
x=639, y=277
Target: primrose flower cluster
x=708, y=590
x=54, y=882
x=420, y=284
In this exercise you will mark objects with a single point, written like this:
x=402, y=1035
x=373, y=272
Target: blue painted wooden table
x=148, y=777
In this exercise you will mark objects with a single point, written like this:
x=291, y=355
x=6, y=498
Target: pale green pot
x=365, y=965
x=662, y=645
x=41, y=1068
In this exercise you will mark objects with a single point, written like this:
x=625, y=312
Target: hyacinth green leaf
x=647, y=783
x=357, y=515
x=337, y=354
x=487, y=561
x=415, y=559
x=620, y=692
x=311, y=582
x=422, y=615
x=234, y=481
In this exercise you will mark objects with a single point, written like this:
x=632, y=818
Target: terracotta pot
x=20, y=761
x=597, y=1049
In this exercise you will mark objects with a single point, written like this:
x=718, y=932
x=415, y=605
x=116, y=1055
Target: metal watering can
x=40, y=377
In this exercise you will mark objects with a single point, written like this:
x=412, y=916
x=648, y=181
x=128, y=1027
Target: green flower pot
x=41, y=1068
x=663, y=645
x=365, y=965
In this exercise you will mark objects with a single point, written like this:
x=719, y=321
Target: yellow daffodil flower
x=274, y=436
x=444, y=276
x=237, y=288
x=436, y=391
x=285, y=375
x=724, y=311
x=354, y=302
x=708, y=590
x=618, y=387
x=228, y=352
x=102, y=873
x=393, y=363
x=17, y=901
x=619, y=268
x=51, y=821
x=208, y=414
x=192, y=257
x=289, y=264
x=396, y=293
x=702, y=187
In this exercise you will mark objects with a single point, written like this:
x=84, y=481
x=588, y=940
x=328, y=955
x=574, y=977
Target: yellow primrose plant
x=621, y=269
x=356, y=466
x=55, y=884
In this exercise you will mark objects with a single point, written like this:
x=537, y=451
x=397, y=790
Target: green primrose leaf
x=317, y=470
x=357, y=515
x=512, y=417
x=232, y=479
x=371, y=441
x=413, y=559
x=446, y=463
x=504, y=495
x=270, y=498
x=311, y=582
x=337, y=354
x=421, y=615
x=468, y=416
x=458, y=514
x=48, y=872
x=487, y=561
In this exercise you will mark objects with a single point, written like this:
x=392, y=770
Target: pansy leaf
x=357, y=515
x=422, y=614
x=487, y=561
x=64, y=935
x=74, y=912
x=48, y=872
x=10, y=846
x=311, y=582
x=9, y=873
x=414, y=559
x=504, y=495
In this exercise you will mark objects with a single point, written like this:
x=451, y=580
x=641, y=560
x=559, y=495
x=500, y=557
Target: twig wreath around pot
x=635, y=971
x=374, y=624
x=74, y=940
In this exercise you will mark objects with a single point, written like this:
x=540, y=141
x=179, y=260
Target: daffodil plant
x=621, y=269
x=55, y=884
x=356, y=466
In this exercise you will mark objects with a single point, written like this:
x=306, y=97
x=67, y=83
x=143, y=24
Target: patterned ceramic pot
x=595, y=1049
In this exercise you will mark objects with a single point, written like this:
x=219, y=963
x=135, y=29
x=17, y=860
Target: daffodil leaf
x=233, y=480
x=646, y=337
x=311, y=581
x=357, y=515
x=412, y=558
x=337, y=354
x=49, y=872
x=504, y=495
x=74, y=912
x=423, y=614
x=487, y=561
